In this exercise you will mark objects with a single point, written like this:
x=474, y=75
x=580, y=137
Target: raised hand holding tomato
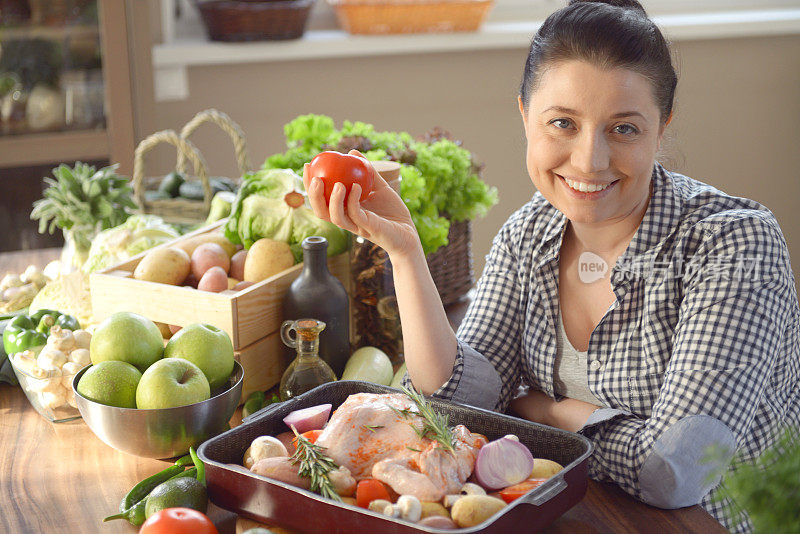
x=348, y=169
x=382, y=217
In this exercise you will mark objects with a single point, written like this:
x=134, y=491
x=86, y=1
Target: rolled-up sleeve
x=730, y=334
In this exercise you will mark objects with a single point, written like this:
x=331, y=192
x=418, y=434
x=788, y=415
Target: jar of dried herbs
x=375, y=316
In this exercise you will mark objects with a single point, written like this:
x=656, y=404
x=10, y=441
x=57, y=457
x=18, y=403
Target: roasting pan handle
x=265, y=410
x=541, y=498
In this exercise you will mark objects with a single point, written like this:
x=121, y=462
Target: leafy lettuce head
x=272, y=203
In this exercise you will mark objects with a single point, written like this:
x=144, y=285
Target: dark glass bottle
x=317, y=293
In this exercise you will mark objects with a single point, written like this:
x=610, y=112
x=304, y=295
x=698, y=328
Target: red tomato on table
x=178, y=521
x=332, y=167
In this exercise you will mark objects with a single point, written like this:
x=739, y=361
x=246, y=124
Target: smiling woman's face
x=592, y=139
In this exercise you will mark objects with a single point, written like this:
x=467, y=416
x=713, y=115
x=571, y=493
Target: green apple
x=127, y=337
x=171, y=382
x=113, y=383
x=206, y=346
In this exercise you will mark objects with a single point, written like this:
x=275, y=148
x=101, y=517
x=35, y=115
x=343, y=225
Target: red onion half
x=502, y=463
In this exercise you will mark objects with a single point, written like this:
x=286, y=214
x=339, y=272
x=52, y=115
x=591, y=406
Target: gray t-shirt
x=570, y=376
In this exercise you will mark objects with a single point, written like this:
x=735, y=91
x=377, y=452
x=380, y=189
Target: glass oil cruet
x=307, y=370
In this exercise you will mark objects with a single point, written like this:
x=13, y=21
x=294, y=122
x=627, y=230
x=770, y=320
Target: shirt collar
x=658, y=221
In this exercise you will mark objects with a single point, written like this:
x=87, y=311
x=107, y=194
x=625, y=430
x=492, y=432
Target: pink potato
x=244, y=284
x=215, y=280
x=209, y=255
x=237, y=265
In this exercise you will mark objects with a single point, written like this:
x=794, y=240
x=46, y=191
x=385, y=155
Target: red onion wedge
x=313, y=418
x=502, y=463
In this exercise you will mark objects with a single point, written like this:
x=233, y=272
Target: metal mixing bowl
x=162, y=432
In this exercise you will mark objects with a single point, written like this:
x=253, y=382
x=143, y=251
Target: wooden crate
x=247, y=315
x=263, y=362
x=251, y=317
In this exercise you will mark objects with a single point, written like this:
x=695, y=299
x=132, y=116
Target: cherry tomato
x=178, y=521
x=332, y=167
x=512, y=493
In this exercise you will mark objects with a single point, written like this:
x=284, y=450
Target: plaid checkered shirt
x=701, y=346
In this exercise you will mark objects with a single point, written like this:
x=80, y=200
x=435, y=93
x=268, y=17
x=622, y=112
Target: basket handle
x=185, y=149
x=228, y=126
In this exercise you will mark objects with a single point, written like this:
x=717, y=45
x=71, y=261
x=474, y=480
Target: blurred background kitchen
x=85, y=80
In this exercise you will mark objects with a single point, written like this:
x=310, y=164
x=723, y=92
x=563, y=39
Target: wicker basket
x=410, y=16
x=174, y=210
x=182, y=210
x=231, y=20
x=451, y=265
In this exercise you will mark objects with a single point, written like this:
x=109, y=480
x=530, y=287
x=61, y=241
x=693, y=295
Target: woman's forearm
x=429, y=342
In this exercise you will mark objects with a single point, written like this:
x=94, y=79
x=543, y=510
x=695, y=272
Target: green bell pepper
x=28, y=331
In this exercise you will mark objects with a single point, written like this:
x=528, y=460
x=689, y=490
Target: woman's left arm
x=733, y=333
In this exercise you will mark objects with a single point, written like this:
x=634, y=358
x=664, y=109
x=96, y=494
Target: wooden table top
x=62, y=478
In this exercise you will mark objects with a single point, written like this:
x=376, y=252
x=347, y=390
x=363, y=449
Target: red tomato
x=512, y=493
x=178, y=521
x=332, y=167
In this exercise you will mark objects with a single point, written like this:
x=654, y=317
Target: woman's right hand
x=383, y=217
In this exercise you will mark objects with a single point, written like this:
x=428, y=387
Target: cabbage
x=273, y=204
x=137, y=234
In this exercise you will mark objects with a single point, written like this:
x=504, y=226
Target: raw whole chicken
x=379, y=436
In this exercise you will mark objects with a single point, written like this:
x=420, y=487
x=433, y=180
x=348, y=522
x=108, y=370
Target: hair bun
x=624, y=4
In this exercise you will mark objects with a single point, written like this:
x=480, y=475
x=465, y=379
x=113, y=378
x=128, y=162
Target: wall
x=736, y=124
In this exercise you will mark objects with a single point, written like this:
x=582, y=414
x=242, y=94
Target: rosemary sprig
x=315, y=466
x=405, y=413
x=412, y=449
x=434, y=425
x=372, y=428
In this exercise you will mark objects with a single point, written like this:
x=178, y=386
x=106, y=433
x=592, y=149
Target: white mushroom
x=68, y=372
x=379, y=505
x=80, y=357
x=71, y=397
x=472, y=489
x=82, y=339
x=511, y=436
x=53, y=399
x=391, y=510
x=51, y=359
x=263, y=447
x=409, y=507
x=61, y=339
x=25, y=361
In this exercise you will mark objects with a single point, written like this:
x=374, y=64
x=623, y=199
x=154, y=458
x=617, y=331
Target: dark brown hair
x=609, y=34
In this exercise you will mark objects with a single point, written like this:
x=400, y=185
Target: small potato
x=349, y=500
x=434, y=508
x=215, y=280
x=437, y=521
x=232, y=282
x=266, y=258
x=281, y=468
x=164, y=265
x=263, y=447
x=188, y=245
x=209, y=255
x=543, y=468
x=471, y=510
x=191, y=281
x=237, y=265
x=244, y=284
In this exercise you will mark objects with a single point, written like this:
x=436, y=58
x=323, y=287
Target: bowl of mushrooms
x=45, y=374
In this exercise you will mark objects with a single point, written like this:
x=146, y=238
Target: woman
x=690, y=335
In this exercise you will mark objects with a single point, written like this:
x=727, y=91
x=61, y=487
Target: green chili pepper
x=201, y=469
x=184, y=460
x=20, y=334
x=132, y=506
x=255, y=401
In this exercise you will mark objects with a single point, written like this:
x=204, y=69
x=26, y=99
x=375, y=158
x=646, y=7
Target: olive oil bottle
x=308, y=370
